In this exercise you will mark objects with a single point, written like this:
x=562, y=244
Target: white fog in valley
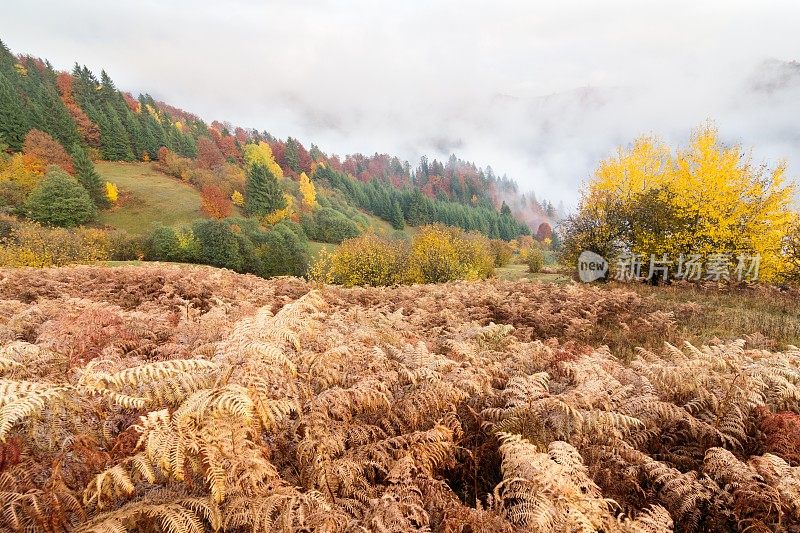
x=540, y=92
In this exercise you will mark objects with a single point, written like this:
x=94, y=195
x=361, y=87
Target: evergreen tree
x=59, y=200
x=416, y=214
x=13, y=118
x=263, y=193
x=114, y=140
x=505, y=210
x=134, y=131
x=316, y=153
x=396, y=216
x=88, y=176
x=292, y=155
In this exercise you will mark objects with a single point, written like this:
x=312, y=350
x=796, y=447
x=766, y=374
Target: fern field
x=189, y=399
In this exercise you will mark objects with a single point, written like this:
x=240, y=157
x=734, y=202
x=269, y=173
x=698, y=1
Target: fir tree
x=115, y=143
x=396, y=216
x=292, y=155
x=263, y=193
x=88, y=176
x=13, y=118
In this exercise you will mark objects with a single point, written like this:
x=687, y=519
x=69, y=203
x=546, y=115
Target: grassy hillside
x=147, y=197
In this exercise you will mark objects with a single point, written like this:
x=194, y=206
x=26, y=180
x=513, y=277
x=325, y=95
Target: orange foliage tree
x=40, y=145
x=88, y=130
x=208, y=154
x=214, y=202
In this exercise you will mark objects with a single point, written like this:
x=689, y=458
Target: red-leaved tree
x=208, y=154
x=214, y=203
x=544, y=232
x=88, y=130
x=41, y=145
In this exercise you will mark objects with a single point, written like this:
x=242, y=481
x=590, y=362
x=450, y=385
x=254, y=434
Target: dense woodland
x=80, y=115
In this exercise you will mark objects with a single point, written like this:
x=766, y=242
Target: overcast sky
x=540, y=91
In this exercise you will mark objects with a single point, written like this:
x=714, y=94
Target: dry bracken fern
x=182, y=399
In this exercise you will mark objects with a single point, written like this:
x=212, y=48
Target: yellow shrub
x=29, y=244
x=502, y=251
x=474, y=254
x=112, y=193
x=534, y=259
x=433, y=257
x=440, y=253
x=436, y=254
x=365, y=260
x=237, y=198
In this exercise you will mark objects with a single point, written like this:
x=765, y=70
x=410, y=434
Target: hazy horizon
x=539, y=93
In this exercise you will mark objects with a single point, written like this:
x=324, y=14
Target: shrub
x=174, y=245
x=59, y=200
x=19, y=175
x=162, y=244
x=440, y=253
x=474, y=254
x=124, y=246
x=365, y=260
x=326, y=224
x=502, y=252
x=435, y=254
x=283, y=250
x=219, y=245
x=535, y=259
x=27, y=244
x=112, y=192
x=172, y=164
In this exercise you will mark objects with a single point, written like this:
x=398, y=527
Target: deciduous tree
x=707, y=198
x=308, y=191
x=42, y=146
x=214, y=203
x=209, y=155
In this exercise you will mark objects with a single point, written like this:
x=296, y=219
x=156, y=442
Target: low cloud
x=540, y=93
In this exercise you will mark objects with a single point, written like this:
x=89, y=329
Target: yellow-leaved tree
x=112, y=192
x=308, y=191
x=19, y=175
x=237, y=198
x=707, y=198
x=261, y=153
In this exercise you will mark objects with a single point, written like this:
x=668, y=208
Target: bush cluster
x=434, y=254
x=27, y=244
x=326, y=224
x=534, y=258
x=239, y=244
x=503, y=251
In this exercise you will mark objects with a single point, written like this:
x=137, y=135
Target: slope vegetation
x=147, y=197
x=194, y=399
